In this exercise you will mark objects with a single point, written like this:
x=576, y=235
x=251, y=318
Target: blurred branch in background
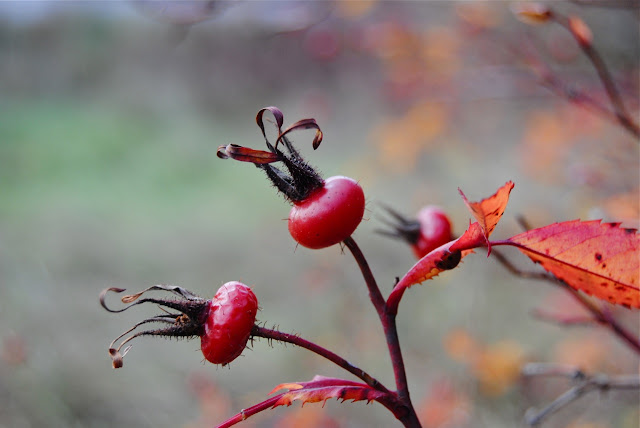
x=620, y=4
x=584, y=384
x=537, y=13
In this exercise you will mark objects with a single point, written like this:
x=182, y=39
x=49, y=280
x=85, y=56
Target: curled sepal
x=489, y=211
x=130, y=299
x=303, y=124
x=245, y=154
x=319, y=389
x=445, y=257
x=186, y=323
x=277, y=114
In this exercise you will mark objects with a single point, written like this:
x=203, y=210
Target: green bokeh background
x=110, y=116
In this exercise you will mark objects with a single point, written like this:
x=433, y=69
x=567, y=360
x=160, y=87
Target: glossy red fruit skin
x=228, y=323
x=435, y=230
x=329, y=215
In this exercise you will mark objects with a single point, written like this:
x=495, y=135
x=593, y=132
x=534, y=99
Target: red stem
x=323, y=352
x=388, y=321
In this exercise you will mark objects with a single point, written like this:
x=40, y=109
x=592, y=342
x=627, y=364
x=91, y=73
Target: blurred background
x=110, y=116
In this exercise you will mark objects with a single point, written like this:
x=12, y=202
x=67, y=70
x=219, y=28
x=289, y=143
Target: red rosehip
x=428, y=231
x=224, y=323
x=325, y=212
x=329, y=214
x=228, y=324
x=435, y=230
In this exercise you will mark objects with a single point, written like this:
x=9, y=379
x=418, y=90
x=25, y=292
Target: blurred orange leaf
x=580, y=31
x=600, y=259
x=589, y=353
x=531, y=13
x=498, y=366
x=461, y=346
x=444, y=406
x=489, y=211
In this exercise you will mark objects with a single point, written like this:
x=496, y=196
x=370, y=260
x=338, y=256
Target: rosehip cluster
x=429, y=230
x=224, y=323
x=324, y=212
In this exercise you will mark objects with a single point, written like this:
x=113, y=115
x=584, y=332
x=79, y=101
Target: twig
x=564, y=320
x=604, y=74
x=323, y=352
x=585, y=384
x=613, y=4
x=572, y=94
x=599, y=315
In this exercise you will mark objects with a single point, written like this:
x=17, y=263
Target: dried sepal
x=303, y=124
x=299, y=179
x=277, y=114
x=245, y=154
x=187, y=323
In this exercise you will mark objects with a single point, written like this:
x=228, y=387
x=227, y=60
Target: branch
x=613, y=4
x=388, y=321
x=564, y=320
x=599, y=315
x=582, y=35
x=604, y=74
x=585, y=384
x=317, y=349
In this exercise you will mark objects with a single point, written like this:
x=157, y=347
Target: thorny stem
x=586, y=383
x=388, y=321
x=294, y=339
x=600, y=316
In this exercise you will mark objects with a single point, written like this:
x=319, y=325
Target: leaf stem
x=294, y=339
x=250, y=411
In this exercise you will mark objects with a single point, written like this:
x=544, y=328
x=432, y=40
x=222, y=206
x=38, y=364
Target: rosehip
x=227, y=327
x=428, y=231
x=325, y=212
x=329, y=215
x=224, y=323
x=435, y=230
